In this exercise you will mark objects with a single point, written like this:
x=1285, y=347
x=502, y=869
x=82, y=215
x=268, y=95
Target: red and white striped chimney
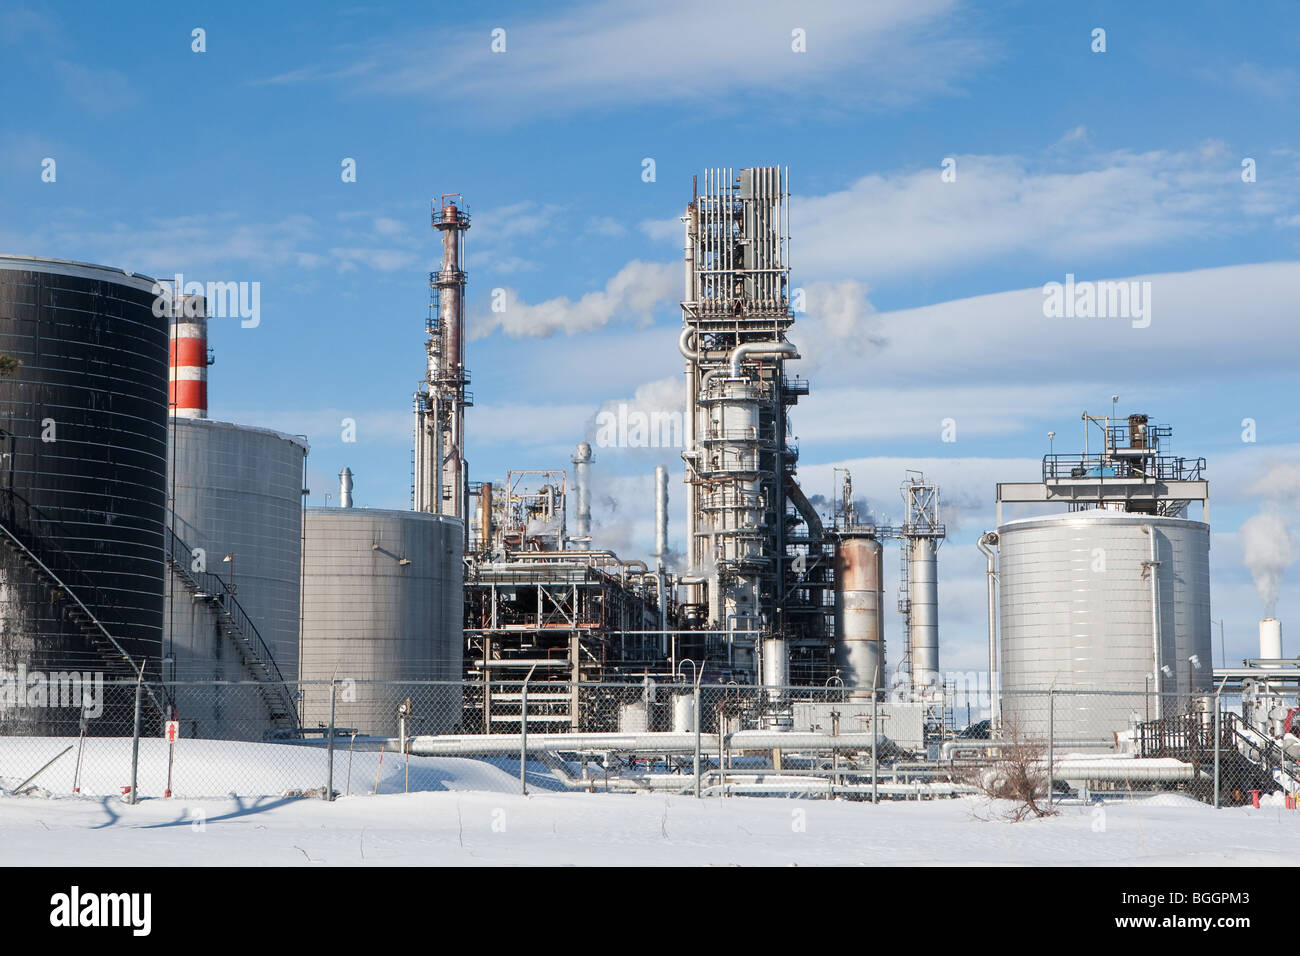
x=188, y=376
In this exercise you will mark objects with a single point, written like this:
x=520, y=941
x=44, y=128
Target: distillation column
x=441, y=472
x=923, y=532
x=735, y=314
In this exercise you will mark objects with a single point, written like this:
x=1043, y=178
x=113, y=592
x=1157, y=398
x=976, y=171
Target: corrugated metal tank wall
x=93, y=382
x=1076, y=608
x=238, y=490
x=383, y=599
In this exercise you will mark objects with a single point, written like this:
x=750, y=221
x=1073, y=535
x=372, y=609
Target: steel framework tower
x=441, y=471
x=746, y=578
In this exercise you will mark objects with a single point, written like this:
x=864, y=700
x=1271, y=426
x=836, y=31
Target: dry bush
x=1018, y=774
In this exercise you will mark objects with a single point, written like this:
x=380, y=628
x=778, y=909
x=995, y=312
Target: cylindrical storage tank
x=383, y=601
x=923, y=613
x=1079, y=613
x=83, y=461
x=859, y=614
x=238, y=494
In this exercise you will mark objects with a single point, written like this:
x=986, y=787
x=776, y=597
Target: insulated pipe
x=742, y=352
x=685, y=349
x=450, y=745
x=749, y=350
x=952, y=747
x=805, y=508
x=986, y=542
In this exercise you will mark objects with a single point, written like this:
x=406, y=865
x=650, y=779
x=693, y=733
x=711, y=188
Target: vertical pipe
x=345, y=487
x=1153, y=567
x=985, y=543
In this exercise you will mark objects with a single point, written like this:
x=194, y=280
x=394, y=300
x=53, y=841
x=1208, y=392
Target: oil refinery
x=147, y=541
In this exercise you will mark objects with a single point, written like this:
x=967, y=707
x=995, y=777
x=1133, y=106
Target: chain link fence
x=193, y=739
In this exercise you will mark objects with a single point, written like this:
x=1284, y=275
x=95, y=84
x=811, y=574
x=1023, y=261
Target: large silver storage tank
x=238, y=493
x=859, y=613
x=383, y=600
x=1077, y=608
x=83, y=457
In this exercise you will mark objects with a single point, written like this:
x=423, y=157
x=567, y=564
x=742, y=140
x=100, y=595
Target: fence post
x=135, y=734
x=1218, y=737
x=1051, y=743
x=698, y=793
x=875, y=735
x=523, y=733
x=329, y=780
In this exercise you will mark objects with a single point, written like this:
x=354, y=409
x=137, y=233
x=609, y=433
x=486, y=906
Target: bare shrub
x=1017, y=774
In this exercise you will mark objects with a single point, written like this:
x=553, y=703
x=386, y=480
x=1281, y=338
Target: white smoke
x=1267, y=549
x=634, y=292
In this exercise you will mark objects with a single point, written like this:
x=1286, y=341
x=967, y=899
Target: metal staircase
x=1248, y=760
x=41, y=554
x=233, y=622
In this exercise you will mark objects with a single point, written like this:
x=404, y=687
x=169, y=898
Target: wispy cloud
x=615, y=54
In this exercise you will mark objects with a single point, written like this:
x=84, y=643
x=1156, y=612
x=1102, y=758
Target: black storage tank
x=83, y=453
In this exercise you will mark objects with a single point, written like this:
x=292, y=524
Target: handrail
x=1270, y=755
x=10, y=518
x=202, y=580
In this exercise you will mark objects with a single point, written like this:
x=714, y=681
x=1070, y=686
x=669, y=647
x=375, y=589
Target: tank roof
x=235, y=426
x=83, y=270
x=1099, y=516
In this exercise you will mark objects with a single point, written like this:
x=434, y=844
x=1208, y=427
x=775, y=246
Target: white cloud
x=381, y=260
x=999, y=206
x=1232, y=319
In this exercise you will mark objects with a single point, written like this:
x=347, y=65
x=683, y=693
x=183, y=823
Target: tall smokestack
x=582, y=481
x=661, y=513
x=188, y=374
x=1270, y=639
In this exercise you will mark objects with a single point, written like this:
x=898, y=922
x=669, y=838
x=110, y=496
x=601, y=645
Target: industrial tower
x=441, y=472
x=754, y=583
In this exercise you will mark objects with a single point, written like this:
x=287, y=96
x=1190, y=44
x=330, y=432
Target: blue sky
x=924, y=296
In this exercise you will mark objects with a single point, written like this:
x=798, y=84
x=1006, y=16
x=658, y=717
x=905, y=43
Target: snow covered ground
x=469, y=812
